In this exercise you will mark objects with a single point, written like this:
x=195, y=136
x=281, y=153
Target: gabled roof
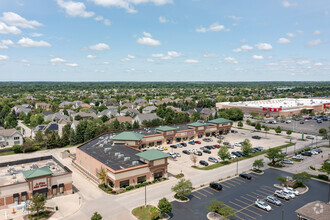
x=165, y=128
x=128, y=136
x=152, y=154
x=196, y=124
x=43, y=171
x=8, y=132
x=220, y=121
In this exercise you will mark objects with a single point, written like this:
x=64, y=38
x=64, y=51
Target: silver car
x=273, y=200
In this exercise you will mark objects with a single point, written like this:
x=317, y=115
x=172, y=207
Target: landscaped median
x=216, y=165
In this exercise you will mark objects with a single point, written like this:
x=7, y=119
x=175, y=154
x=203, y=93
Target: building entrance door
x=41, y=191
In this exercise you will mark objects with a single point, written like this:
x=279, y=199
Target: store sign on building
x=39, y=184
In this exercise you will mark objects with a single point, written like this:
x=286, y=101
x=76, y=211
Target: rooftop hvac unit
x=49, y=163
x=120, y=156
x=34, y=166
x=22, y=166
x=135, y=163
x=14, y=176
x=126, y=158
x=101, y=145
x=117, y=153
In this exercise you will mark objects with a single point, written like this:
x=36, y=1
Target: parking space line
x=207, y=191
x=252, y=206
x=266, y=193
x=267, y=190
x=258, y=194
x=240, y=180
x=235, y=211
x=245, y=208
x=251, y=196
x=225, y=185
x=196, y=196
x=201, y=193
x=240, y=212
x=229, y=183
x=213, y=189
x=273, y=188
x=247, y=199
x=235, y=181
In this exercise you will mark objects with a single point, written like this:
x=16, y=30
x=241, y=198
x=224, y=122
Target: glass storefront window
x=123, y=184
x=141, y=179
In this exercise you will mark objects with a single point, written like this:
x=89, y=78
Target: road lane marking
x=196, y=196
x=207, y=191
x=245, y=208
x=201, y=193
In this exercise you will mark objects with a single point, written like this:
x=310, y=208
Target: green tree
x=258, y=163
x=89, y=133
x=278, y=130
x=223, y=153
x=136, y=125
x=104, y=118
x=96, y=216
x=39, y=137
x=37, y=203
x=102, y=174
x=266, y=129
x=164, y=206
x=183, y=187
x=246, y=146
x=193, y=158
x=323, y=131
x=240, y=124
x=281, y=179
x=303, y=177
x=258, y=126
x=288, y=132
x=52, y=140
x=225, y=211
x=274, y=155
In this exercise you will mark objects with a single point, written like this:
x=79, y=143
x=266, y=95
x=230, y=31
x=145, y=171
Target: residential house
x=10, y=137
x=84, y=105
x=109, y=113
x=174, y=108
x=149, y=109
x=206, y=112
x=129, y=105
x=56, y=117
x=145, y=117
x=85, y=115
x=140, y=100
x=76, y=104
x=52, y=126
x=122, y=119
x=65, y=103
x=46, y=113
x=129, y=111
x=43, y=105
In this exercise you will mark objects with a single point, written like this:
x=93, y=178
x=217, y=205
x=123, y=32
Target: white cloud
x=191, y=61
x=91, y=56
x=256, y=57
x=215, y=27
x=57, y=60
x=290, y=35
x=318, y=64
x=106, y=63
x=283, y=40
x=166, y=58
x=99, y=18
x=314, y=43
x=5, y=43
x=157, y=55
x=75, y=9
x=174, y=54
x=264, y=46
x=162, y=19
x=302, y=62
x=150, y=60
x=100, y=46
x=107, y=22
x=287, y=4
x=27, y=42
x=128, y=4
x=36, y=35
x=147, y=40
x=272, y=64
x=230, y=60
x=234, y=17
x=130, y=70
x=4, y=57
x=130, y=56
x=5, y=29
x=71, y=64
x=316, y=32
x=16, y=20
x=243, y=48
x=210, y=55
x=125, y=59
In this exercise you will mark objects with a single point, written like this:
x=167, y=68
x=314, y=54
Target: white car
x=263, y=205
x=287, y=161
x=289, y=189
x=232, y=156
x=281, y=194
x=237, y=145
x=314, y=152
x=298, y=157
x=160, y=148
x=291, y=194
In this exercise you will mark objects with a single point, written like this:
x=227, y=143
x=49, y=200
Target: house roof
x=43, y=171
x=128, y=136
x=8, y=132
x=196, y=124
x=308, y=210
x=147, y=117
x=152, y=154
x=165, y=128
x=220, y=121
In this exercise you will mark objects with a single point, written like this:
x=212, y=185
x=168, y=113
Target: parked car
x=216, y=146
x=207, y=139
x=263, y=205
x=230, y=146
x=287, y=161
x=213, y=159
x=203, y=162
x=306, y=153
x=184, y=144
x=173, y=155
x=256, y=137
x=221, y=137
x=186, y=152
x=207, y=147
x=302, y=122
x=216, y=186
x=211, y=146
x=191, y=142
x=310, y=137
x=197, y=142
x=260, y=148
x=281, y=194
x=246, y=176
x=238, y=145
x=198, y=153
x=179, y=145
x=234, y=131
x=173, y=146
x=225, y=143
x=290, y=189
x=288, y=121
x=207, y=151
x=236, y=154
x=178, y=154
x=314, y=152
x=232, y=156
x=273, y=200
x=319, y=150
x=165, y=148
x=298, y=157
x=290, y=193
x=160, y=148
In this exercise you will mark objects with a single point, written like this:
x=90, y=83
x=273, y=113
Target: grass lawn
x=7, y=153
x=145, y=213
x=216, y=165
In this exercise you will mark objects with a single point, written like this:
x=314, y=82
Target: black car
x=256, y=137
x=225, y=143
x=306, y=153
x=256, y=149
x=207, y=147
x=212, y=147
x=234, y=131
x=302, y=122
x=184, y=144
x=216, y=186
x=174, y=146
x=186, y=152
x=236, y=154
x=240, y=153
x=203, y=162
x=245, y=176
x=207, y=151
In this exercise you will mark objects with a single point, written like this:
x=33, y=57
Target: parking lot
x=241, y=194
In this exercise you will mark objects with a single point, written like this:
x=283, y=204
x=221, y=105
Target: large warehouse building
x=21, y=179
x=120, y=153
x=278, y=107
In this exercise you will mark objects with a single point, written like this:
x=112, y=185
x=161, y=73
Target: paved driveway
x=240, y=194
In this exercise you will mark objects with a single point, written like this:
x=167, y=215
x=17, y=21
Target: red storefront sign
x=39, y=185
x=325, y=105
x=272, y=109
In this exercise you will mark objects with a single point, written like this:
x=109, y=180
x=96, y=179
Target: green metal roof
x=165, y=128
x=220, y=121
x=196, y=124
x=128, y=136
x=43, y=171
x=152, y=154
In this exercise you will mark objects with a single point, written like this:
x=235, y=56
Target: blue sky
x=164, y=40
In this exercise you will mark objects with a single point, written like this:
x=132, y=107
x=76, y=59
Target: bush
x=129, y=188
x=179, y=175
x=105, y=188
x=323, y=177
x=182, y=198
x=298, y=184
x=17, y=149
x=313, y=168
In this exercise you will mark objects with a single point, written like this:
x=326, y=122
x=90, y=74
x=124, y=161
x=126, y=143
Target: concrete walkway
x=26, y=131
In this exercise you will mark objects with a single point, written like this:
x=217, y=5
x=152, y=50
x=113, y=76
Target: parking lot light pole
x=236, y=165
x=145, y=196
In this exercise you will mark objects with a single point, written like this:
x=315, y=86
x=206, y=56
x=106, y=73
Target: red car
x=197, y=142
x=216, y=146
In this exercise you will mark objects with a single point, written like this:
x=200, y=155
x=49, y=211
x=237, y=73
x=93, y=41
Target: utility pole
x=145, y=196
x=237, y=166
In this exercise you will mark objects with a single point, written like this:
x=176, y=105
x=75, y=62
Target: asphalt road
x=241, y=194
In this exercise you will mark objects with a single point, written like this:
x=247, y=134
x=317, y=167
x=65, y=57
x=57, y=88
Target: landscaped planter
x=214, y=216
x=177, y=198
